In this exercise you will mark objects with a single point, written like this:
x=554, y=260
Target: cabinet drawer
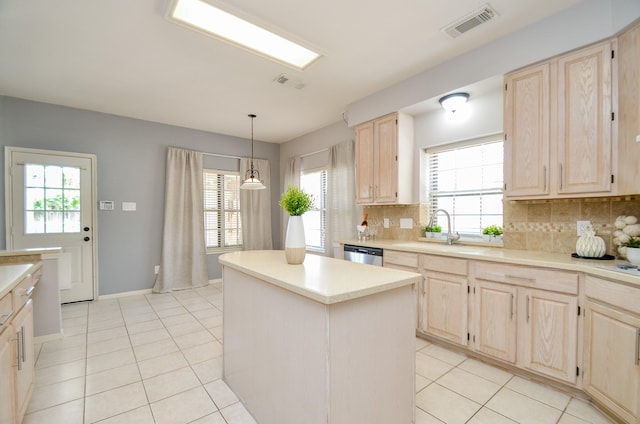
x=6, y=311
x=616, y=294
x=540, y=278
x=405, y=259
x=23, y=291
x=444, y=264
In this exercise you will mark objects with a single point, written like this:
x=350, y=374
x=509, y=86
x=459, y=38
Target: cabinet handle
x=511, y=305
x=24, y=350
x=20, y=345
x=544, y=178
x=528, y=300
x=635, y=360
x=517, y=277
x=561, y=177
x=5, y=318
x=28, y=292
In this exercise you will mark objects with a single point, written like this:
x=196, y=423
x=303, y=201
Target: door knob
x=86, y=228
x=87, y=239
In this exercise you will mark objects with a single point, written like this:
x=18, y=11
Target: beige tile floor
x=158, y=359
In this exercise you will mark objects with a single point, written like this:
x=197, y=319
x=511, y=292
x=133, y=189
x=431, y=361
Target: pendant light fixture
x=252, y=178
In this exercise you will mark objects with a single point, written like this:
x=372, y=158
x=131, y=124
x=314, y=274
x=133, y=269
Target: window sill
x=221, y=250
x=464, y=240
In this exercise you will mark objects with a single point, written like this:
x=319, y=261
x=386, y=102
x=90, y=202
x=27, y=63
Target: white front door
x=50, y=203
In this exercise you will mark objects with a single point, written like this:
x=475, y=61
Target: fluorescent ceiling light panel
x=212, y=20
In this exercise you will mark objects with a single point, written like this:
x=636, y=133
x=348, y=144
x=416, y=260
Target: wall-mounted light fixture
x=454, y=101
x=252, y=181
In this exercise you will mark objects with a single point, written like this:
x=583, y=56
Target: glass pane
x=53, y=222
x=53, y=176
x=34, y=222
x=71, y=200
x=34, y=199
x=71, y=177
x=34, y=175
x=53, y=200
x=71, y=222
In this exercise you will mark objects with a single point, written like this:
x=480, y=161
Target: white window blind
x=314, y=182
x=222, y=223
x=466, y=180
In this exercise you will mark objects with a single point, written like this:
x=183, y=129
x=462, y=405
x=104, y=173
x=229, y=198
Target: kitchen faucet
x=450, y=236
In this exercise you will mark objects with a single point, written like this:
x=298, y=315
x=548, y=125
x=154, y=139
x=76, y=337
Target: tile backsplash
x=542, y=225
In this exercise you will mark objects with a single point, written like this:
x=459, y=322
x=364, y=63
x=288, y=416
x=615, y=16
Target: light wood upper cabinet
x=384, y=160
x=559, y=136
x=526, y=126
x=584, y=120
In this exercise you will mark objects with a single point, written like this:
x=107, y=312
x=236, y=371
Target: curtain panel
x=341, y=194
x=183, y=262
x=255, y=208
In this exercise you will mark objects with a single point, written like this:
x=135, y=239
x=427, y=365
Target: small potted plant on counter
x=492, y=233
x=632, y=250
x=430, y=232
x=295, y=202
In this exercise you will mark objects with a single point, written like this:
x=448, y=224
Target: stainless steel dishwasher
x=363, y=255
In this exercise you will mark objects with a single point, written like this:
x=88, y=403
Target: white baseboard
x=217, y=281
x=48, y=338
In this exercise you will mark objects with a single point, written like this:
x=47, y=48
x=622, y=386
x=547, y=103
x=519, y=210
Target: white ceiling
x=123, y=57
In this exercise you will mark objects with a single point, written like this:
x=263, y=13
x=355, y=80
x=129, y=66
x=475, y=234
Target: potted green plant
x=295, y=202
x=632, y=250
x=492, y=232
x=429, y=232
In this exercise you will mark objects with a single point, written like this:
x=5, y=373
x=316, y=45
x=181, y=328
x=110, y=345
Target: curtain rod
x=221, y=155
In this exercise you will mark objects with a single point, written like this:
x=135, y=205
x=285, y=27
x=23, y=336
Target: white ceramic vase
x=294, y=242
x=633, y=255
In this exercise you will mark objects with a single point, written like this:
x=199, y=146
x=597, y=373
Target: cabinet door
x=526, y=126
x=445, y=306
x=612, y=373
x=550, y=333
x=24, y=374
x=364, y=163
x=385, y=133
x=584, y=120
x=7, y=362
x=495, y=317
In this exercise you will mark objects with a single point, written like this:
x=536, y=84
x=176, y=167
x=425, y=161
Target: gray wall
x=131, y=167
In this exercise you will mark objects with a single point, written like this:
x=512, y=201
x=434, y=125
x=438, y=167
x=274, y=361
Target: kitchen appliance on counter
x=363, y=255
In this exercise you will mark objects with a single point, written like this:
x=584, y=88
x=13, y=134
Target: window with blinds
x=222, y=223
x=314, y=182
x=466, y=180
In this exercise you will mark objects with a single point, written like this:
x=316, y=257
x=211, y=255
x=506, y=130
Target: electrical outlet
x=582, y=226
x=156, y=269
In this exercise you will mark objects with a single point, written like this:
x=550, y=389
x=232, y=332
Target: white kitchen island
x=328, y=341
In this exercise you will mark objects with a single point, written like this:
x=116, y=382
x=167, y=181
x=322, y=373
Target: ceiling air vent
x=470, y=21
x=285, y=80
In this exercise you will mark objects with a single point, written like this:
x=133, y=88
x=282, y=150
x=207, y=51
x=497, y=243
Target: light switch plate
x=385, y=223
x=129, y=206
x=581, y=226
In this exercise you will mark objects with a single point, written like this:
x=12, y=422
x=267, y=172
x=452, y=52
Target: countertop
x=33, y=251
x=510, y=256
x=12, y=274
x=323, y=279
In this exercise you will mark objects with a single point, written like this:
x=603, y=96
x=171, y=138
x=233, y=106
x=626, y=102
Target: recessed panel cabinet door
x=584, y=120
x=612, y=373
x=550, y=329
x=495, y=314
x=7, y=362
x=526, y=125
x=385, y=135
x=364, y=163
x=446, y=306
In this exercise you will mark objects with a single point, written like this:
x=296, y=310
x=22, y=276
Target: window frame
x=427, y=173
x=221, y=249
x=320, y=205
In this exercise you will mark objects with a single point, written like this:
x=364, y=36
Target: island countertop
x=323, y=279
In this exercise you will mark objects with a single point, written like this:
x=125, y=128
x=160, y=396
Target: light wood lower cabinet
x=24, y=372
x=406, y=261
x=495, y=320
x=527, y=317
x=445, y=298
x=611, y=346
x=6, y=375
